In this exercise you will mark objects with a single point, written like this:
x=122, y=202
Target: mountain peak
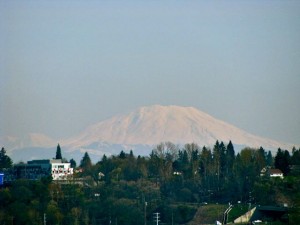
x=150, y=125
x=168, y=108
x=140, y=130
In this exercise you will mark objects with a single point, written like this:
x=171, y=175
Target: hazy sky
x=67, y=64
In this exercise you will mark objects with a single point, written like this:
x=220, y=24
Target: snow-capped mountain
x=140, y=131
x=155, y=124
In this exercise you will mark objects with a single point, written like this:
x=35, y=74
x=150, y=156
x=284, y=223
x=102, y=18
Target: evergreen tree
x=288, y=160
x=106, y=166
x=122, y=155
x=86, y=163
x=295, y=159
x=230, y=154
x=282, y=161
x=104, y=158
x=222, y=159
x=73, y=163
x=5, y=161
x=142, y=166
x=260, y=159
x=269, y=159
x=217, y=161
x=58, y=152
x=206, y=165
x=129, y=168
x=216, y=156
x=154, y=164
x=238, y=175
x=230, y=150
x=195, y=164
x=184, y=162
x=131, y=154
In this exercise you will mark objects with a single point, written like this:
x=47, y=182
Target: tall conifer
x=58, y=152
x=5, y=161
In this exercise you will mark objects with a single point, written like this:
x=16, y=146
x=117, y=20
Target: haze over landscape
x=68, y=68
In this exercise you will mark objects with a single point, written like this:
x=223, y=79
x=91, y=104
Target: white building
x=38, y=168
x=60, y=170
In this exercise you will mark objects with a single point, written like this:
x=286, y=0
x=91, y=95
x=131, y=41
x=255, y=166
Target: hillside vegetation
x=192, y=185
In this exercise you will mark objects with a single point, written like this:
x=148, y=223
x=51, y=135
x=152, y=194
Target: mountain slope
x=154, y=124
x=140, y=131
x=29, y=140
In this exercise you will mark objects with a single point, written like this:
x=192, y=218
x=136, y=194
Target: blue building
x=1, y=178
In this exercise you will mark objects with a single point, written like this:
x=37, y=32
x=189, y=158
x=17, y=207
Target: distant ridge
x=29, y=140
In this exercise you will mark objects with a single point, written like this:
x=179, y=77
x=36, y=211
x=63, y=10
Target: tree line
x=173, y=181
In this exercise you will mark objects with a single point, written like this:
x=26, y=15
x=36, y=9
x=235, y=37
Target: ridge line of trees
x=170, y=180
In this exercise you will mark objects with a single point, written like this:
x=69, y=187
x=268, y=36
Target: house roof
x=275, y=171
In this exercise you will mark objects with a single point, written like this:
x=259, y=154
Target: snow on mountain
x=154, y=124
x=139, y=131
x=31, y=140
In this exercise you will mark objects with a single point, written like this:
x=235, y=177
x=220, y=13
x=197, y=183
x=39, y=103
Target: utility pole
x=145, y=214
x=156, y=218
x=250, y=199
x=44, y=218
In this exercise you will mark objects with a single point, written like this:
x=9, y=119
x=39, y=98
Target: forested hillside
x=129, y=189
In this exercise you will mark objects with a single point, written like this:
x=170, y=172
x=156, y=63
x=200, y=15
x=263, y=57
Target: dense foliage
x=125, y=189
